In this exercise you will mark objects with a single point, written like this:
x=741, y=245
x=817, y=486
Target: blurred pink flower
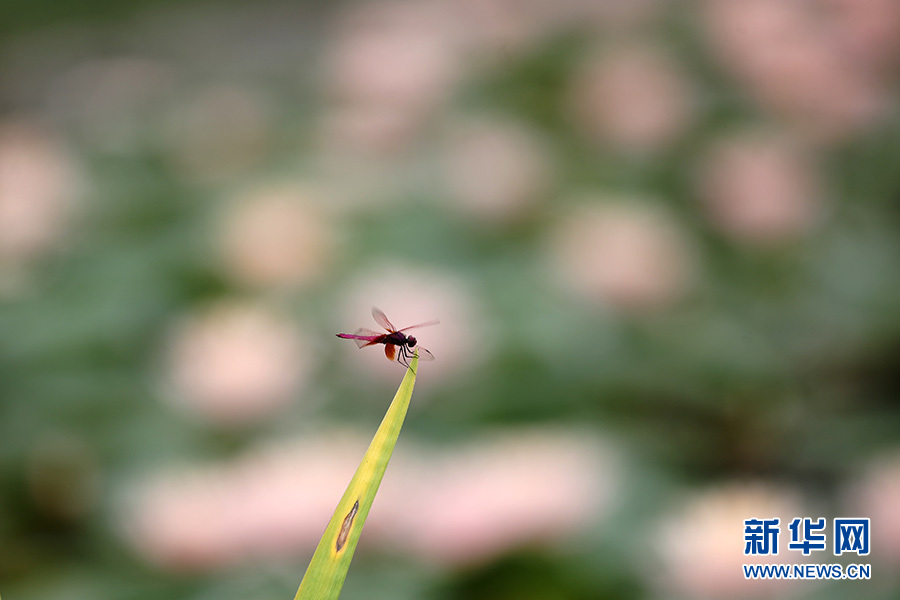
x=506, y=490
x=277, y=236
x=39, y=187
x=701, y=546
x=410, y=295
x=274, y=501
x=454, y=506
x=233, y=364
x=868, y=31
x=760, y=188
x=628, y=254
x=794, y=65
x=222, y=131
x=634, y=97
x=496, y=171
x=877, y=496
x=391, y=64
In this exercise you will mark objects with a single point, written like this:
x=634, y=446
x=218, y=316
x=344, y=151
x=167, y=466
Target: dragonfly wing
x=382, y=320
x=425, y=354
x=390, y=351
x=425, y=324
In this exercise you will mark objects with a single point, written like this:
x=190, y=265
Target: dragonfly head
x=411, y=341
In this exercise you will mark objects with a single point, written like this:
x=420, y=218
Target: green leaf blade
x=328, y=567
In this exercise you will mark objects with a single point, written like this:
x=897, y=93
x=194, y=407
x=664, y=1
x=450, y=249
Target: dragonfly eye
x=411, y=341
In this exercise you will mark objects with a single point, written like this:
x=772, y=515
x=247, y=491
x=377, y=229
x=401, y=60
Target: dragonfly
x=397, y=345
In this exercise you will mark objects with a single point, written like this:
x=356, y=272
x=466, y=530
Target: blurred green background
x=662, y=239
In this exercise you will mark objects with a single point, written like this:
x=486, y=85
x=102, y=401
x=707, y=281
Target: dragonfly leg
x=402, y=358
x=405, y=356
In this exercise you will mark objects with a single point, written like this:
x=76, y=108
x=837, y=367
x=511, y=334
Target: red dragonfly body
x=397, y=345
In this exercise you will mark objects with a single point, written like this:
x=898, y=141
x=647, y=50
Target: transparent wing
x=425, y=354
x=382, y=320
x=425, y=324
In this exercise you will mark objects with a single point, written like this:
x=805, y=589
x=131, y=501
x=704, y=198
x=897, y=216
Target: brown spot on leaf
x=345, y=527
